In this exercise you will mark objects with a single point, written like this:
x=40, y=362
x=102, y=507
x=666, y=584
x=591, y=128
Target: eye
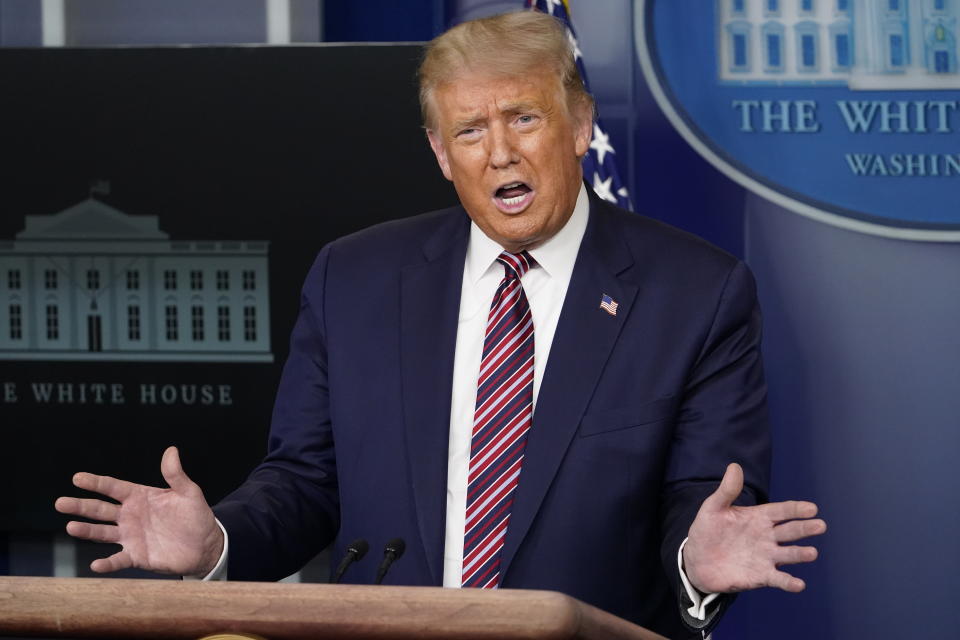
x=470, y=132
x=526, y=118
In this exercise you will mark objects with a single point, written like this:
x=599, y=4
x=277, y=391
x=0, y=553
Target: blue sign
x=847, y=111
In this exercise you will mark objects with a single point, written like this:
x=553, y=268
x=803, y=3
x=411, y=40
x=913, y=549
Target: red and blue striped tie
x=501, y=421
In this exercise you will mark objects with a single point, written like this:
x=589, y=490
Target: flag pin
x=609, y=305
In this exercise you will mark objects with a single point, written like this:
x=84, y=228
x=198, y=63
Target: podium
x=162, y=609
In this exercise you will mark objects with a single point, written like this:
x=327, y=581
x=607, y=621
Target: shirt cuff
x=219, y=571
x=700, y=600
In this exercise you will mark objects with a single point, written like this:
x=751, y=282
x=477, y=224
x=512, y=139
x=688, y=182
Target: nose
x=502, y=148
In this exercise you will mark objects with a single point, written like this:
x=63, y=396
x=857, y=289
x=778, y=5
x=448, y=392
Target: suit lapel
x=429, y=306
x=585, y=336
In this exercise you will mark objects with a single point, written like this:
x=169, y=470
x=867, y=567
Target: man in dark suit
x=629, y=378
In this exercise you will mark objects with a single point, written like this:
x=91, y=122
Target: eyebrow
x=515, y=107
x=466, y=123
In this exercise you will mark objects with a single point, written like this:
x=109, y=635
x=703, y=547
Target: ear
x=436, y=143
x=583, y=131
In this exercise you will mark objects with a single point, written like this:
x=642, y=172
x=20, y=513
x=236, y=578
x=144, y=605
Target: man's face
x=512, y=149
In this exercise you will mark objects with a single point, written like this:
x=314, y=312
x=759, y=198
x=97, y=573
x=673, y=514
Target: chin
x=517, y=245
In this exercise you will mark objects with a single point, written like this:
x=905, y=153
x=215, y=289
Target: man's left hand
x=731, y=548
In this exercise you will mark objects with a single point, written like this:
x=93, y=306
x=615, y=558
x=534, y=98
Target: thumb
x=173, y=471
x=729, y=489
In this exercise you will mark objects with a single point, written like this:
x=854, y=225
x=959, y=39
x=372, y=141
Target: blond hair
x=510, y=44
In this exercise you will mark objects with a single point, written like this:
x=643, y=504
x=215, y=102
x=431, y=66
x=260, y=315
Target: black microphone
x=355, y=551
x=391, y=553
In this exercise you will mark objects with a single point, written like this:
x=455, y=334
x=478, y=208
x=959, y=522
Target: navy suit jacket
x=637, y=416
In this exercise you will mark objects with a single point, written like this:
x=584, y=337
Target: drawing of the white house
x=865, y=44
x=94, y=283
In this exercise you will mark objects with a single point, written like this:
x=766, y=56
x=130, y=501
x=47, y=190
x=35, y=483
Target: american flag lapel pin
x=609, y=305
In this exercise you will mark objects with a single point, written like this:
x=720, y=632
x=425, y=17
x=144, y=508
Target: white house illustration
x=94, y=283
x=865, y=44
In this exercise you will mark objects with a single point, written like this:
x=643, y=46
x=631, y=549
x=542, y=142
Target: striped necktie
x=501, y=421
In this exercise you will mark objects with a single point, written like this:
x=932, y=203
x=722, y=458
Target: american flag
x=609, y=305
x=599, y=166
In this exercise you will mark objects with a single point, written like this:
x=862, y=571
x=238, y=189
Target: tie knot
x=515, y=264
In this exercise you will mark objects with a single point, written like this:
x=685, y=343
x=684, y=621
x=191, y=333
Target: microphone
x=391, y=553
x=355, y=551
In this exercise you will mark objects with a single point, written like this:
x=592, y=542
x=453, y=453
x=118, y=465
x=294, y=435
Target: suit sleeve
x=723, y=418
x=288, y=508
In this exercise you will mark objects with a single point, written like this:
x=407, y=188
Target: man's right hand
x=164, y=530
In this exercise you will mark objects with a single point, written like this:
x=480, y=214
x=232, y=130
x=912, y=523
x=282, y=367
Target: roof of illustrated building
x=91, y=219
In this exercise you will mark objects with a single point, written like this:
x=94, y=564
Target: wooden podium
x=114, y=608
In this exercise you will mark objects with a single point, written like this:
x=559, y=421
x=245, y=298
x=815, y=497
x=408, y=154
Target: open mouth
x=513, y=197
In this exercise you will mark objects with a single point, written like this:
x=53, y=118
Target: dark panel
x=296, y=146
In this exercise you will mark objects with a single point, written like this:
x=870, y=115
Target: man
x=619, y=373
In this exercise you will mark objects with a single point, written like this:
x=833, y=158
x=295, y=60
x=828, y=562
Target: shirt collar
x=556, y=256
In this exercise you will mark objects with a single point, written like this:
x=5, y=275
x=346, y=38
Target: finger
x=729, y=489
x=110, y=487
x=116, y=562
x=789, y=510
x=794, y=555
x=87, y=508
x=94, y=532
x=173, y=471
x=796, y=529
x=785, y=581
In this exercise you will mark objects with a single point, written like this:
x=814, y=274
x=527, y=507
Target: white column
x=869, y=56
x=278, y=21
x=918, y=63
x=54, y=23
